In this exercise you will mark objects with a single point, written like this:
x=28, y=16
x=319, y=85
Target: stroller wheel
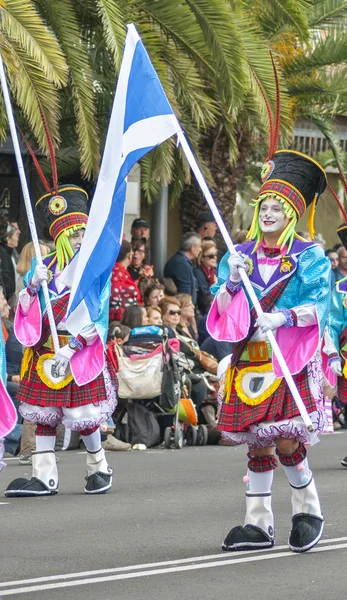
x=202, y=435
x=191, y=435
x=178, y=438
x=168, y=437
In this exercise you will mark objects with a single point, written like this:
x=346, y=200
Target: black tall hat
x=295, y=177
x=63, y=208
x=342, y=233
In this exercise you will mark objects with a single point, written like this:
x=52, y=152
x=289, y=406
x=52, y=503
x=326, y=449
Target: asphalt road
x=158, y=533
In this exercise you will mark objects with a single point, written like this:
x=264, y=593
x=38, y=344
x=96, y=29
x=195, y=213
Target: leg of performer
x=307, y=521
x=44, y=480
x=99, y=474
x=258, y=529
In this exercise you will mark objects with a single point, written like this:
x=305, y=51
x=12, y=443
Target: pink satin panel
x=88, y=363
x=298, y=346
x=328, y=374
x=28, y=328
x=233, y=324
x=8, y=413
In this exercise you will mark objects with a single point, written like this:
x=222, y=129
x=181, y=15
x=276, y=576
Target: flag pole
x=27, y=201
x=245, y=280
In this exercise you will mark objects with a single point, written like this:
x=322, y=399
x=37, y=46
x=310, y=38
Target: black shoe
x=28, y=487
x=247, y=538
x=344, y=462
x=98, y=483
x=306, y=532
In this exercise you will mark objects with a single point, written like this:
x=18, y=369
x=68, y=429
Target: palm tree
x=36, y=67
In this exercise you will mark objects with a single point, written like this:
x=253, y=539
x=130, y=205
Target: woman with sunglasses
x=171, y=314
x=205, y=274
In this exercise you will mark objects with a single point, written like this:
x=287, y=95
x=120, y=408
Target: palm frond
x=62, y=15
x=328, y=50
x=325, y=125
x=111, y=15
x=272, y=14
x=326, y=13
x=32, y=91
x=21, y=23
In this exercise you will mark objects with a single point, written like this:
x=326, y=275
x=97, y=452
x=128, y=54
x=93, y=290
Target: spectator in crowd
x=187, y=318
x=138, y=268
x=218, y=349
x=154, y=315
x=206, y=225
x=24, y=262
x=9, y=259
x=171, y=312
x=153, y=294
x=240, y=237
x=205, y=274
x=180, y=266
x=124, y=290
x=170, y=288
x=341, y=270
x=333, y=257
x=135, y=316
x=202, y=331
x=140, y=231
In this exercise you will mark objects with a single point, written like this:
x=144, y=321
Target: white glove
x=62, y=359
x=236, y=262
x=270, y=321
x=335, y=366
x=40, y=274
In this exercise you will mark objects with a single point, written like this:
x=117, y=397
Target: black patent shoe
x=98, y=483
x=21, y=487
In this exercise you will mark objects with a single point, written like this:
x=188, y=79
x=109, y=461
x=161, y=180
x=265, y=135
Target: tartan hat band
x=65, y=222
x=286, y=191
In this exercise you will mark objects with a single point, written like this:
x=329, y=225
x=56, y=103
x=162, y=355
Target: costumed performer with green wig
x=290, y=277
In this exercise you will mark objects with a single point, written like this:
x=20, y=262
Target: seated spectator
x=24, y=262
x=240, y=237
x=171, y=313
x=134, y=316
x=217, y=349
x=187, y=318
x=170, y=288
x=9, y=259
x=124, y=290
x=153, y=294
x=205, y=274
x=138, y=268
x=206, y=225
x=118, y=333
x=154, y=315
x=180, y=266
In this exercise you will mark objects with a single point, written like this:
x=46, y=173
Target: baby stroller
x=151, y=372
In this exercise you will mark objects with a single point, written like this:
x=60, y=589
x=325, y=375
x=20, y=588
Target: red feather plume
x=270, y=115
x=278, y=109
x=50, y=150
x=37, y=164
x=332, y=191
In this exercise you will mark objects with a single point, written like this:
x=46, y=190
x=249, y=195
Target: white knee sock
x=45, y=442
x=298, y=476
x=92, y=442
x=260, y=482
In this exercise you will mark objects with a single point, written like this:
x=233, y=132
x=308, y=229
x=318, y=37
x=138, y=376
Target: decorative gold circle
x=57, y=205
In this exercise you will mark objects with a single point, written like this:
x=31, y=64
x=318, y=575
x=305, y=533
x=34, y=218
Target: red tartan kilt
x=237, y=416
x=33, y=391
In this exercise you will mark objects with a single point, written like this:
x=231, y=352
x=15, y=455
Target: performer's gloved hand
x=270, y=321
x=40, y=275
x=62, y=359
x=335, y=365
x=236, y=262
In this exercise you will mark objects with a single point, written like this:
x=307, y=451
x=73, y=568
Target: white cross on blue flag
x=141, y=119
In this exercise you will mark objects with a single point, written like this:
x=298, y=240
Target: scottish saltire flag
x=141, y=119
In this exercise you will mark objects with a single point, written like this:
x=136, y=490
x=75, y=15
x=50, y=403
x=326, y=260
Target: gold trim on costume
x=65, y=189
x=259, y=399
x=49, y=383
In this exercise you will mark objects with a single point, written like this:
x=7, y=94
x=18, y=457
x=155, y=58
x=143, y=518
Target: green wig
x=287, y=236
x=63, y=247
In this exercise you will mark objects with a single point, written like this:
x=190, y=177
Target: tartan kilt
x=236, y=416
x=34, y=391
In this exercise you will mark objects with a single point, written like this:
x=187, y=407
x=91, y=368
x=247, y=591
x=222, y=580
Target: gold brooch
x=286, y=264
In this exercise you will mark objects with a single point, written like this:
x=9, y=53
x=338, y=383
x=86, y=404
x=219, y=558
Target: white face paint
x=271, y=216
x=76, y=239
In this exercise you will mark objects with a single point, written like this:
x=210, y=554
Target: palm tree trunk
x=226, y=178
